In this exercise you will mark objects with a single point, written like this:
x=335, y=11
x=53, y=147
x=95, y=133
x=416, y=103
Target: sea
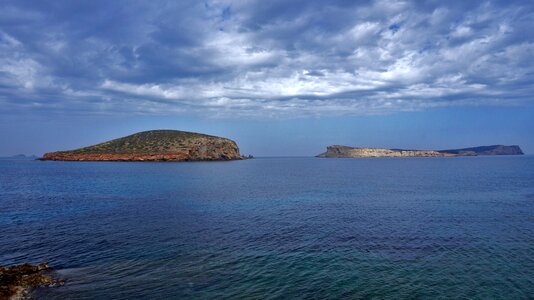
x=275, y=228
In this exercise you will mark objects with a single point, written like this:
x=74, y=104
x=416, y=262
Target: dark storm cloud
x=263, y=58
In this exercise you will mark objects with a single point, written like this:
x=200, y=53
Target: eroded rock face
x=213, y=149
x=15, y=281
x=158, y=145
x=338, y=151
x=115, y=157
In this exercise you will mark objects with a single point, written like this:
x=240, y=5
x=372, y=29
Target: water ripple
x=275, y=228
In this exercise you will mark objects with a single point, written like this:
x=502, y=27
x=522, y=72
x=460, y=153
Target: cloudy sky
x=279, y=77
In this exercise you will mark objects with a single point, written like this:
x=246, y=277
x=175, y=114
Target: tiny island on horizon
x=176, y=145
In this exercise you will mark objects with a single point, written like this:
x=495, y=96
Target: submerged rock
x=16, y=281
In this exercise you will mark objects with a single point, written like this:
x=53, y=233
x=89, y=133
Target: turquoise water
x=275, y=228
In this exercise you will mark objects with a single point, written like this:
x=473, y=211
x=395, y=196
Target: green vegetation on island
x=153, y=142
x=155, y=145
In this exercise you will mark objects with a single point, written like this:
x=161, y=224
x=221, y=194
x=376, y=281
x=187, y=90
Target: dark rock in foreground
x=15, y=281
x=155, y=145
x=338, y=151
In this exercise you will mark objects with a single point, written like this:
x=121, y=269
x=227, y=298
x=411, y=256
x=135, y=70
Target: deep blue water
x=275, y=228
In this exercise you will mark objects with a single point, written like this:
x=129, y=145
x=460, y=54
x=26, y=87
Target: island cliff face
x=338, y=151
x=155, y=145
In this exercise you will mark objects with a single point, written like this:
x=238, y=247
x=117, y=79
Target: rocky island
x=338, y=151
x=155, y=145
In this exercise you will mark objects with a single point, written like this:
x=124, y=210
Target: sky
x=281, y=78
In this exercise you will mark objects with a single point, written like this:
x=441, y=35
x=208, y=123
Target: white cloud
x=268, y=58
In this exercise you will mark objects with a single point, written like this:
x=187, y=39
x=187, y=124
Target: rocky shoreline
x=114, y=157
x=17, y=281
x=177, y=157
x=345, y=151
x=339, y=151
